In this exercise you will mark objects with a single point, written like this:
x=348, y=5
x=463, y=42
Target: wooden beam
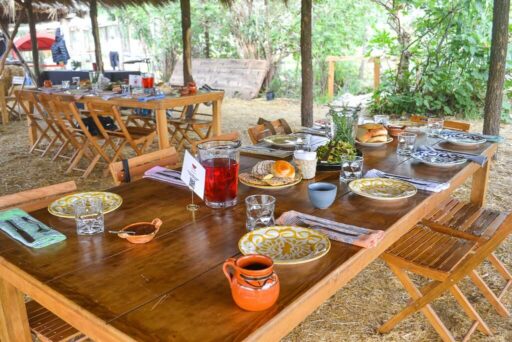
x=376, y=73
x=330, y=80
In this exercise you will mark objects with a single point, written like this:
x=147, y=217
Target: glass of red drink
x=148, y=80
x=221, y=161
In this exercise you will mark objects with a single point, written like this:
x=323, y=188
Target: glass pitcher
x=221, y=161
x=341, y=123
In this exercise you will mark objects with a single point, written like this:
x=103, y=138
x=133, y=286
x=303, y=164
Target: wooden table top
x=173, y=288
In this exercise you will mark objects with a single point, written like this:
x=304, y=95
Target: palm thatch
x=42, y=11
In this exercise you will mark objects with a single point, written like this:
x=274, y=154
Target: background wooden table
x=173, y=288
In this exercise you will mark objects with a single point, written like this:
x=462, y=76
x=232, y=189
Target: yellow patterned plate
x=63, y=207
x=383, y=189
x=285, y=244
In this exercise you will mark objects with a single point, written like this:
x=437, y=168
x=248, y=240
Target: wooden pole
x=186, y=35
x=306, y=105
x=93, y=12
x=498, y=59
x=330, y=80
x=376, y=73
x=33, y=38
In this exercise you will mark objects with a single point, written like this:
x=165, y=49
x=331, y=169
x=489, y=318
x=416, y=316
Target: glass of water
x=125, y=90
x=75, y=82
x=351, y=168
x=260, y=211
x=65, y=84
x=89, y=215
x=406, y=141
x=434, y=126
x=381, y=119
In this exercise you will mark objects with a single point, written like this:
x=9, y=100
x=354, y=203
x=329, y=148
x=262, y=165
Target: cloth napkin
x=165, y=175
x=150, y=98
x=43, y=235
x=479, y=159
x=421, y=184
x=357, y=236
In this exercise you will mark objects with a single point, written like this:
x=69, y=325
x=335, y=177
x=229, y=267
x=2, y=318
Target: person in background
x=114, y=59
x=60, y=53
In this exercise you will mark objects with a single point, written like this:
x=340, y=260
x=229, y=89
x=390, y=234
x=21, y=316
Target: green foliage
x=448, y=53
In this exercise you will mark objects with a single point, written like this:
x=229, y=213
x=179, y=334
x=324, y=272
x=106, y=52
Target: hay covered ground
x=354, y=313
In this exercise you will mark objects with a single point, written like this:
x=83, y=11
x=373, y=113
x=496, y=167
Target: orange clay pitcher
x=254, y=285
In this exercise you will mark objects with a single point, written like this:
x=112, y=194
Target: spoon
x=121, y=232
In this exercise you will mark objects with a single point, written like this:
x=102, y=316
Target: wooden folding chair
x=472, y=222
x=44, y=324
x=11, y=100
x=188, y=125
x=129, y=170
x=451, y=124
x=42, y=123
x=223, y=137
x=446, y=260
x=266, y=128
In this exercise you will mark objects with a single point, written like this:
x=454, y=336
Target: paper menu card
x=193, y=174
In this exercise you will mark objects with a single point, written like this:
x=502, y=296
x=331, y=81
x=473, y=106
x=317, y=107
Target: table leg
x=13, y=315
x=3, y=104
x=161, y=128
x=216, y=118
x=479, y=184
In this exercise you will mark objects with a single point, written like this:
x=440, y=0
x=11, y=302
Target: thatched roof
x=42, y=11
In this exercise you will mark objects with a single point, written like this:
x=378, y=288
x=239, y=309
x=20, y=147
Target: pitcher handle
x=157, y=223
x=229, y=263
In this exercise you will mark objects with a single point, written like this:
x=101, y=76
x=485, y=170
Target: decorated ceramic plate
x=439, y=158
x=375, y=144
x=462, y=138
x=63, y=207
x=384, y=189
x=249, y=180
x=285, y=244
x=284, y=140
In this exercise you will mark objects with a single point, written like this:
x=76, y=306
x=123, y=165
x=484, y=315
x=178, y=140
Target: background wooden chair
x=189, y=127
x=446, y=260
x=226, y=137
x=140, y=164
x=451, y=124
x=266, y=128
x=44, y=324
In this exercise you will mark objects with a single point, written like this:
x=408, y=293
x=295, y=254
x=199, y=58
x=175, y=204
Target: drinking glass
x=381, y=119
x=89, y=215
x=125, y=90
x=65, y=84
x=406, y=141
x=351, y=168
x=434, y=126
x=148, y=80
x=75, y=82
x=260, y=211
x=303, y=142
x=221, y=161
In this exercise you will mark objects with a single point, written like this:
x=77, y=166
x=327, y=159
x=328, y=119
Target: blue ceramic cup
x=321, y=194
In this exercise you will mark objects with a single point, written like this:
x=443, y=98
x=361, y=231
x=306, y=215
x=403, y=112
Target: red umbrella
x=44, y=42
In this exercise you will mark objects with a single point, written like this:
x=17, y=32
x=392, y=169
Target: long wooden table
x=173, y=288
x=160, y=108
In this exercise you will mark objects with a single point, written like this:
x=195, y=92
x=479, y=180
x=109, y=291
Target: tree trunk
x=494, y=95
x=306, y=105
x=186, y=33
x=93, y=12
x=207, y=40
x=33, y=38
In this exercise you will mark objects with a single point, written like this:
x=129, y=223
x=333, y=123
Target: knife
x=26, y=236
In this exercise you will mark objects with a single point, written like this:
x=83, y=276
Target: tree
x=306, y=105
x=93, y=12
x=186, y=34
x=498, y=59
x=33, y=37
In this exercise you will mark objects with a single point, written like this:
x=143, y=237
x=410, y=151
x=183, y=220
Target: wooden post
x=33, y=38
x=93, y=12
x=330, y=79
x=480, y=184
x=376, y=73
x=306, y=60
x=3, y=104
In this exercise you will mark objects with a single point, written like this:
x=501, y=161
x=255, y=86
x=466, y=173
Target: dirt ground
x=354, y=312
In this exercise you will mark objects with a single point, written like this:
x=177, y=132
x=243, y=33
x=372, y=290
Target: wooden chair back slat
x=35, y=199
x=140, y=164
x=226, y=137
x=451, y=124
x=260, y=131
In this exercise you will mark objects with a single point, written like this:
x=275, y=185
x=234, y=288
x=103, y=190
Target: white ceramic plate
x=375, y=144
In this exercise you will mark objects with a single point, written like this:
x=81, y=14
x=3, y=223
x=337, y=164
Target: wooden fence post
x=330, y=80
x=376, y=73
x=3, y=104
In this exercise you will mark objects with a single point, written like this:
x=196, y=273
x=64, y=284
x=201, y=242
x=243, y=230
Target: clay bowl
x=144, y=231
x=395, y=130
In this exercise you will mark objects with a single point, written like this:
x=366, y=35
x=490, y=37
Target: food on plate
x=333, y=151
x=270, y=172
x=372, y=133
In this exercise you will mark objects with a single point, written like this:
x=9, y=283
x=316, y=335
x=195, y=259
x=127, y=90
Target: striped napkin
x=165, y=175
x=13, y=220
x=357, y=236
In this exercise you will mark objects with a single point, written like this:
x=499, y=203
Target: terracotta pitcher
x=254, y=285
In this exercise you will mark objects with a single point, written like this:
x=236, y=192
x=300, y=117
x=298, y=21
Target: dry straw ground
x=354, y=313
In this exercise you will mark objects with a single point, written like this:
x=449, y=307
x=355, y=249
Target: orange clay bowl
x=395, y=130
x=144, y=231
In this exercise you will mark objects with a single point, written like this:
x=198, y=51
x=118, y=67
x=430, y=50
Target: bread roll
x=378, y=139
x=263, y=169
x=283, y=169
x=371, y=132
